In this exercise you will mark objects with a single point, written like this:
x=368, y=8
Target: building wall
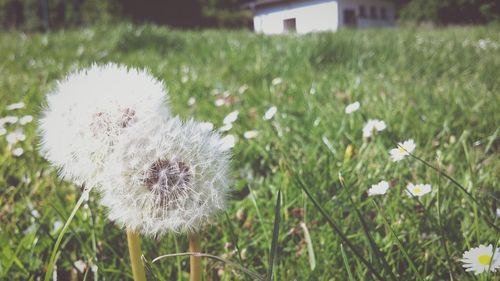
x=313, y=15
x=365, y=22
x=320, y=15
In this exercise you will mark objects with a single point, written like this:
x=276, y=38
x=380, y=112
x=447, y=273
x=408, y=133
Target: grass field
x=440, y=87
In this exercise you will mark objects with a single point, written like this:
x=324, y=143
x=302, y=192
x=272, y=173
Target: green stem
x=134, y=248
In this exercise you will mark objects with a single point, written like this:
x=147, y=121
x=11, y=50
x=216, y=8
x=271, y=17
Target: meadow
x=440, y=87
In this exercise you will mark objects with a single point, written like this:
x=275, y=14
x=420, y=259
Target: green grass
x=436, y=86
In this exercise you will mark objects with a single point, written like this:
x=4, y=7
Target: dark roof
x=261, y=3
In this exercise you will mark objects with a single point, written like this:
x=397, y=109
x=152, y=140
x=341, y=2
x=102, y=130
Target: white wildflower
x=404, y=149
x=231, y=117
x=57, y=225
x=498, y=212
x=227, y=142
x=167, y=176
x=226, y=128
x=220, y=102
x=191, y=101
x=352, y=107
x=481, y=259
x=89, y=110
x=270, y=113
x=80, y=265
x=26, y=119
x=276, y=81
x=242, y=89
x=373, y=125
x=8, y=120
x=3, y=131
x=14, y=106
x=251, y=134
x=417, y=190
x=379, y=188
x=16, y=136
x=17, y=151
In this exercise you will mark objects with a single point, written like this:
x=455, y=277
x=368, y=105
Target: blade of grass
x=346, y=262
x=380, y=256
x=310, y=249
x=338, y=231
x=53, y=255
x=400, y=244
x=273, y=254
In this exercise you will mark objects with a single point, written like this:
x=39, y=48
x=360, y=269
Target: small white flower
x=3, y=131
x=226, y=128
x=251, y=134
x=57, y=225
x=8, y=120
x=220, y=102
x=17, y=151
x=404, y=149
x=417, y=189
x=14, y=106
x=276, y=81
x=379, y=188
x=270, y=113
x=481, y=259
x=242, y=89
x=498, y=212
x=207, y=126
x=191, y=101
x=373, y=125
x=26, y=119
x=16, y=136
x=80, y=265
x=352, y=107
x=227, y=142
x=231, y=117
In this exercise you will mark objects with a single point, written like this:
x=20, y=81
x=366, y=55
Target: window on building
x=373, y=12
x=362, y=11
x=383, y=13
x=290, y=25
x=350, y=18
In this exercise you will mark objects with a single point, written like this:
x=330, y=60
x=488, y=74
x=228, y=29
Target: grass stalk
x=134, y=248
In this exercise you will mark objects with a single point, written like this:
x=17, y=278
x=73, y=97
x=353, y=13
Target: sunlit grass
x=439, y=87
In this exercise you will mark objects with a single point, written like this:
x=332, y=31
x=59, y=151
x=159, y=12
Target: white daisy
x=8, y=120
x=251, y=134
x=242, y=89
x=352, y=107
x=220, y=102
x=226, y=128
x=276, y=81
x=231, y=117
x=270, y=113
x=404, y=149
x=417, y=189
x=191, y=101
x=481, y=259
x=167, y=176
x=17, y=152
x=26, y=119
x=89, y=110
x=379, y=188
x=373, y=125
x=16, y=136
x=14, y=106
x=227, y=142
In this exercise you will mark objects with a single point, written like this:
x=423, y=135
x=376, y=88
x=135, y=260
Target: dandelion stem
x=134, y=248
x=194, y=260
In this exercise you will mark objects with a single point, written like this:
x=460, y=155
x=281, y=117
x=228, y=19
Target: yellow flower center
x=417, y=190
x=402, y=150
x=484, y=259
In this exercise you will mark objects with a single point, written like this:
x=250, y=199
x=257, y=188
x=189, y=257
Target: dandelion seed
x=17, y=152
x=15, y=106
x=176, y=181
x=352, y=108
x=404, y=149
x=373, y=125
x=379, y=188
x=251, y=134
x=90, y=110
x=417, y=190
x=270, y=113
x=26, y=119
x=276, y=81
x=206, y=126
x=481, y=259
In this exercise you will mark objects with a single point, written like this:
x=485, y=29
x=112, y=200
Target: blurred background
x=42, y=15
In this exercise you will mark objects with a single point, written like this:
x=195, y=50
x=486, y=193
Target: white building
x=302, y=16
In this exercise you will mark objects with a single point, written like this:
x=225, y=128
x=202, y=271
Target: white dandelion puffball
x=373, y=125
x=417, y=190
x=404, y=149
x=481, y=259
x=378, y=189
x=89, y=110
x=352, y=107
x=166, y=177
